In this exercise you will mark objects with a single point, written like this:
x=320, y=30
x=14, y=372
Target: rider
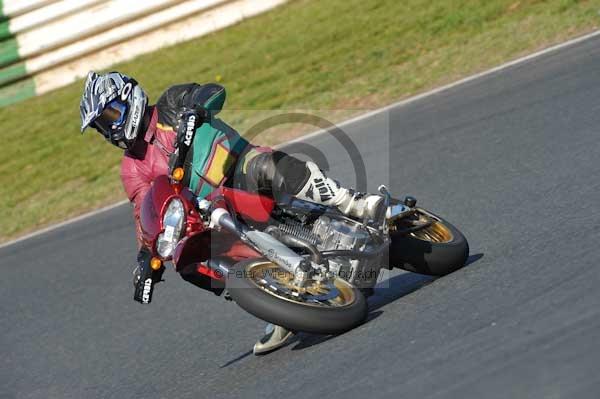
x=117, y=107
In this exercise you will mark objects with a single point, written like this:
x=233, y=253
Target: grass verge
x=311, y=54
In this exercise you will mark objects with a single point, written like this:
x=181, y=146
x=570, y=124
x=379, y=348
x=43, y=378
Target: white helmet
x=113, y=104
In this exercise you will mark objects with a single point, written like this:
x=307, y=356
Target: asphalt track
x=513, y=159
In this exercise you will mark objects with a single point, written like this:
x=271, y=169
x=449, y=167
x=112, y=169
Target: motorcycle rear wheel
x=266, y=291
x=436, y=250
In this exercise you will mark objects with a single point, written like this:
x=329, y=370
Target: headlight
x=173, y=221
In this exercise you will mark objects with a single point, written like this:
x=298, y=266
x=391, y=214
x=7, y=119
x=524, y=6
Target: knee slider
x=261, y=172
x=277, y=172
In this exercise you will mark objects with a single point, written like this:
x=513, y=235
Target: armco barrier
x=63, y=48
x=77, y=26
x=41, y=16
x=102, y=39
x=12, y=8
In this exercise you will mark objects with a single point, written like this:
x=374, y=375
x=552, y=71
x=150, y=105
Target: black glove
x=189, y=120
x=144, y=277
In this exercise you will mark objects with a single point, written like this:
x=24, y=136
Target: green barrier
x=12, y=73
x=17, y=92
x=5, y=30
x=9, y=52
x=2, y=16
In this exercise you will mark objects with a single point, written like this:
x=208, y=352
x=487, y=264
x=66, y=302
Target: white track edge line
x=347, y=122
x=64, y=223
x=440, y=89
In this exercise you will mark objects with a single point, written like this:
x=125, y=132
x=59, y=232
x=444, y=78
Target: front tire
x=265, y=291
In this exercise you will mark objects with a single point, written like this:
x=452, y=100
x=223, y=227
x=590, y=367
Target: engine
x=340, y=234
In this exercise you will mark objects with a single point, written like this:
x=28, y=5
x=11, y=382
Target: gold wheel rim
x=275, y=281
x=436, y=232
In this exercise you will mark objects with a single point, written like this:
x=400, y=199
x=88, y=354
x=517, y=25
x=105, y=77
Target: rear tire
x=427, y=257
x=295, y=316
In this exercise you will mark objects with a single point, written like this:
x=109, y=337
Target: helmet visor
x=112, y=117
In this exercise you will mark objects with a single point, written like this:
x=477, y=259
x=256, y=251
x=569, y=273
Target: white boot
x=275, y=337
x=324, y=190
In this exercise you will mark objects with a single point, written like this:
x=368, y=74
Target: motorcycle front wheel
x=267, y=291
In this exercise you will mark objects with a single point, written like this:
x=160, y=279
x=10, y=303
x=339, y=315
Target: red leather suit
x=137, y=174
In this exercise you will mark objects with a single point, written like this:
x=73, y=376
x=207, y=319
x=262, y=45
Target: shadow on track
x=386, y=292
x=236, y=359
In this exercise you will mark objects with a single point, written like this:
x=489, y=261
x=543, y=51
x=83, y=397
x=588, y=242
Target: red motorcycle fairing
x=192, y=249
x=194, y=255
x=153, y=207
x=199, y=248
x=198, y=245
x=249, y=206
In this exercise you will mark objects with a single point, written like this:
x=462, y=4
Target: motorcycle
x=297, y=264
x=306, y=267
